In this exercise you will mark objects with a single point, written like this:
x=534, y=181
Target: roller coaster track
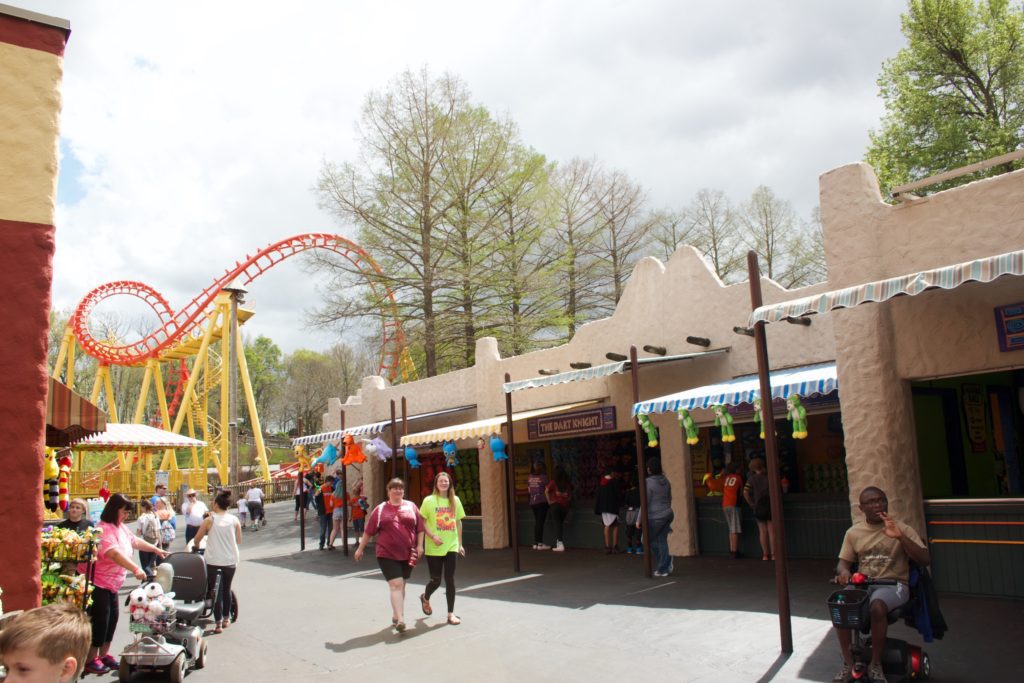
x=175, y=326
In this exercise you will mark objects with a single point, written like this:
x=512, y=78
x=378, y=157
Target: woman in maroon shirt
x=399, y=530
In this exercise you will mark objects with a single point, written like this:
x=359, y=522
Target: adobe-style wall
x=30, y=77
x=881, y=347
x=661, y=305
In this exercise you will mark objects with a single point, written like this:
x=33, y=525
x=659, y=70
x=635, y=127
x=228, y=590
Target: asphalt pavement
x=574, y=616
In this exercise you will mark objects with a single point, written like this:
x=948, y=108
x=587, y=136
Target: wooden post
x=641, y=464
x=344, y=500
x=772, y=452
x=510, y=475
x=303, y=495
x=394, y=443
x=405, y=432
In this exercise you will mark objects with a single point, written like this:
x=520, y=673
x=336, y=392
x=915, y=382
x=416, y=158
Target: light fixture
x=806, y=322
x=748, y=331
x=657, y=350
x=699, y=341
x=548, y=371
x=611, y=355
x=579, y=365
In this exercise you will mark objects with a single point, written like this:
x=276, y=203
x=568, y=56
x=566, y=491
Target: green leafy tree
x=955, y=94
x=266, y=374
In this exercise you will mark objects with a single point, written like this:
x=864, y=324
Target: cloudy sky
x=192, y=132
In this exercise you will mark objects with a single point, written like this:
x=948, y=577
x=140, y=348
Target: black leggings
x=540, y=514
x=104, y=615
x=437, y=563
x=558, y=514
x=222, y=605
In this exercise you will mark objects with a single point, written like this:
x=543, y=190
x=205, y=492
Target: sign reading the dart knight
x=580, y=422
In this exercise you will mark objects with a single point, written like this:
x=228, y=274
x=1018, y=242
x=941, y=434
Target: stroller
x=174, y=642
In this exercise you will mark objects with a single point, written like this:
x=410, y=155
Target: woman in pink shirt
x=113, y=558
x=399, y=530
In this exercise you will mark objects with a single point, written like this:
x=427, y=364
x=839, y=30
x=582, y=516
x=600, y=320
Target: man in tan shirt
x=883, y=548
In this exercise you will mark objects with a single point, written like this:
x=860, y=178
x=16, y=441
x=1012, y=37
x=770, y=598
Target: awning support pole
x=303, y=496
x=394, y=444
x=510, y=476
x=405, y=432
x=641, y=464
x=772, y=451
x=344, y=493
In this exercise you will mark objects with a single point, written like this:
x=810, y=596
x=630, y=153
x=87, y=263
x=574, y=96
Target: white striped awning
x=122, y=436
x=486, y=427
x=949, y=277
x=603, y=370
x=335, y=435
x=803, y=381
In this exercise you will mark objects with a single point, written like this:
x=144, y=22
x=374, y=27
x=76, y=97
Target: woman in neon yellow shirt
x=442, y=544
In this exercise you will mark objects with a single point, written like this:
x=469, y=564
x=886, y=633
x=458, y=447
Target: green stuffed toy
x=758, y=416
x=687, y=423
x=652, y=431
x=798, y=416
x=723, y=420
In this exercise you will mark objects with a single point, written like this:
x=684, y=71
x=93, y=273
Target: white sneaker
x=660, y=574
x=542, y=546
x=559, y=548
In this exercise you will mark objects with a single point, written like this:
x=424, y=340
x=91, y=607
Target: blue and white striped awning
x=949, y=277
x=603, y=370
x=803, y=381
x=335, y=435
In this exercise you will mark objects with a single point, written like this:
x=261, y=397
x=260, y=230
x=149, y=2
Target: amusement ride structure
x=186, y=368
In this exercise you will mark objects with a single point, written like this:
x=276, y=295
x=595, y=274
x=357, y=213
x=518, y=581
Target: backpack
x=149, y=526
x=167, y=532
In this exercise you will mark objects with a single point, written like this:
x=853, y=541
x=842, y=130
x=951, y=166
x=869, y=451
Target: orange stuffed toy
x=353, y=451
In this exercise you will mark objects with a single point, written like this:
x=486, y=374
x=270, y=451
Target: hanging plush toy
x=687, y=423
x=652, y=431
x=51, y=471
x=302, y=457
x=759, y=416
x=798, y=416
x=451, y=454
x=412, y=457
x=328, y=457
x=353, y=451
x=723, y=420
x=498, y=449
x=64, y=466
x=376, y=447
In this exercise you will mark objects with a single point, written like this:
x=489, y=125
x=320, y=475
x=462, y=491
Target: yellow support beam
x=250, y=402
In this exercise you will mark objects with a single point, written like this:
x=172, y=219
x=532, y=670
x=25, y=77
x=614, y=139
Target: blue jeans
x=659, y=530
x=325, y=529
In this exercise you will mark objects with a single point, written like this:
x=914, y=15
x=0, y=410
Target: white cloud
x=200, y=127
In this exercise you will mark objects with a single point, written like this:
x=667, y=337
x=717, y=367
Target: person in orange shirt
x=731, y=487
x=324, y=500
x=359, y=508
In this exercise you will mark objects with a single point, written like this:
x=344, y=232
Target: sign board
x=161, y=478
x=1010, y=326
x=96, y=506
x=567, y=424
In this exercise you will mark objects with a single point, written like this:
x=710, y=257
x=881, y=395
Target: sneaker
x=542, y=546
x=876, y=674
x=96, y=666
x=110, y=661
x=844, y=675
x=559, y=548
x=660, y=574
x=534, y=546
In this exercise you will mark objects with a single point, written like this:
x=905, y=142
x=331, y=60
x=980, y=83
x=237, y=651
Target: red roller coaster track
x=174, y=326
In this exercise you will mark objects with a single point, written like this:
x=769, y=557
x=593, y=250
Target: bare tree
x=671, y=230
x=712, y=221
x=622, y=229
x=787, y=250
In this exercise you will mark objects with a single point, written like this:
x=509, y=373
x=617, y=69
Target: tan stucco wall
x=880, y=348
x=29, y=110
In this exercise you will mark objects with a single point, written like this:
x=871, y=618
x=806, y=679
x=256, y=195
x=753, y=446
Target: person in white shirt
x=243, y=511
x=223, y=535
x=254, y=499
x=194, y=511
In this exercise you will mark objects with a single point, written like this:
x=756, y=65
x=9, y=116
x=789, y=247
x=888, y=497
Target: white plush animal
x=153, y=590
x=137, y=601
x=153, y=610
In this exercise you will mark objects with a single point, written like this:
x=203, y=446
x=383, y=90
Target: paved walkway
x=576, y=616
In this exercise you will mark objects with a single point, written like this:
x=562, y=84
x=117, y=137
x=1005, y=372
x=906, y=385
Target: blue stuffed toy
x=412, y=457
x=328, y=457
x=498, y=449
x=451, y=454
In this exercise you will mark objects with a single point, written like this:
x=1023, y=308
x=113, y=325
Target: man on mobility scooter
x=883, y=548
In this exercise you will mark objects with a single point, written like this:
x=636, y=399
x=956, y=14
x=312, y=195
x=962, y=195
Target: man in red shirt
x=731, y=487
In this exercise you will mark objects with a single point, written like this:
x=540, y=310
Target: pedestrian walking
x=194, y=511
x=148, y=528
x=399, y=530
x=756, y=493
x=536, y=483
x=659, y=516
x=631, y=503
x=338, y=514
x=559, y=496
x=324, y=502
x=254, y=506
x=223, y=534
x=607, y=504
x=442, y=520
